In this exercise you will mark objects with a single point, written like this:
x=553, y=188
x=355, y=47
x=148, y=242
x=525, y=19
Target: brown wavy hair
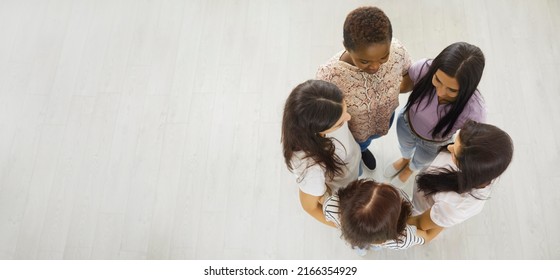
x=312, y=107
x=372, y=212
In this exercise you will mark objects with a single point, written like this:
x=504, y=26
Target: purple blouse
x=424, y=118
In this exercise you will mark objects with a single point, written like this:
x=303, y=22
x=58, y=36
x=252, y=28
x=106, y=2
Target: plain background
x=151, y=129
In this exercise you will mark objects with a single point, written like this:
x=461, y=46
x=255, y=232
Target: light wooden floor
x=151, y=129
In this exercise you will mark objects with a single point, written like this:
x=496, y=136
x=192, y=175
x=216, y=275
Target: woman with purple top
x=444, y=97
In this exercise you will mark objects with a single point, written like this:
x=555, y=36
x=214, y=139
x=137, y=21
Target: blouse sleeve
x=324, y=73
x=445, y=215
x=418, y=69
x=475, y=110
x=404, y=57
x=312, y=181
x=478, y=112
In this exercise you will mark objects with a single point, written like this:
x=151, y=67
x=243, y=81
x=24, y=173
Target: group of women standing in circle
x=328, y=124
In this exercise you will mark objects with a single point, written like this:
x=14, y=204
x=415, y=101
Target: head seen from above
x=313, y=109
x=371, y=213
x=456, y=71
x=367, y=38
x=454, y=75
x=482, y=152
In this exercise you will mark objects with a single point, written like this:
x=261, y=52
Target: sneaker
x=360, y=252
x=406, y=186
x=396, y=182
x=390, y=171
x=375, y=247
x=369, y=159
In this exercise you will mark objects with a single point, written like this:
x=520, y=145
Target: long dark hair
x=312, y=107
x=465, y=63
x=371, y=212
x=486, y=151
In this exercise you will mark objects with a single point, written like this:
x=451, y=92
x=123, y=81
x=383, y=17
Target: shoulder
x=310, y=176
x=476, y=108
x=398, y=47
x=329, y=69
x=443, y=160
x=451, y=208
x=477, y=100
x=400, y=55
x=419, y=68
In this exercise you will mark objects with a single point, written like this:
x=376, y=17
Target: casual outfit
x=410, y=238
x=311, y=177
x=371, y=98
x=449, y=208
x=414, y=127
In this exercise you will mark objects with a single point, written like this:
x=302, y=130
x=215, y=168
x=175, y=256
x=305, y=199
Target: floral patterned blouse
x=371, y=98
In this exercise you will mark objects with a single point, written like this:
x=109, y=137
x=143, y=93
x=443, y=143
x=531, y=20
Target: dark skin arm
x=406, y=84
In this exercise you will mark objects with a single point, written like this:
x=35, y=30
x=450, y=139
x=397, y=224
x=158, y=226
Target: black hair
x=465, y=63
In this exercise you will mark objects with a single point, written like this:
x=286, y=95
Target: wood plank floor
x=151, y=129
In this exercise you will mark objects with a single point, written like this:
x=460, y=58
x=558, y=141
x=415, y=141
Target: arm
x=426, y=227
x=312, y=206
x=428, y=235
x=406, y=84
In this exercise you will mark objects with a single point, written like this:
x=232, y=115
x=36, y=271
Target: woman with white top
x=318, y=147
x=459, y=181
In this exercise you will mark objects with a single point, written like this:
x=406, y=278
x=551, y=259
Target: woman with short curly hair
x=371, y=71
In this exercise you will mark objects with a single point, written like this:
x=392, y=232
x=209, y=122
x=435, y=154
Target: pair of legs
x=416, y=152
x=367, y=156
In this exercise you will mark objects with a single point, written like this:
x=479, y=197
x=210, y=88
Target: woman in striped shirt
x=373, y=215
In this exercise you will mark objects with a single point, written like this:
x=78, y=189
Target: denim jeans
x=421, y=152
x=364, y=145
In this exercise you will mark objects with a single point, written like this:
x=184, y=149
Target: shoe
x=375, y=247
x=390, y=171
x=360, y=252
x=369, y=159
x=396, y=182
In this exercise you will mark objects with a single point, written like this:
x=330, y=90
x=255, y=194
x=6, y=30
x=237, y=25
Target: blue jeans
x=364, y=145
x=420, y=151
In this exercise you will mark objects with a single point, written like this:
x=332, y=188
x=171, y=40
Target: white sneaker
x=407, y=186
x=396, y=182
x=390, y=171
x=361, y=252
x=375, y=247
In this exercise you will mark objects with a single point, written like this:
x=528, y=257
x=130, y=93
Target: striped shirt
x=409, y=239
